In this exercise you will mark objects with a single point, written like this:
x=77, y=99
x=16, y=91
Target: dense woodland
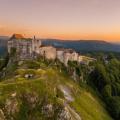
x=106, y=79
x=103, y=76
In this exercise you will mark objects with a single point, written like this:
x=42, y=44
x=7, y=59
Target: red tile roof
x=17, y=36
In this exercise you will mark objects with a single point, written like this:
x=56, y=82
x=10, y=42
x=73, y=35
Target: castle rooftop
x=17, y=36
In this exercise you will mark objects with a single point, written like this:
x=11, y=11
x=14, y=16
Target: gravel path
x=67, y=94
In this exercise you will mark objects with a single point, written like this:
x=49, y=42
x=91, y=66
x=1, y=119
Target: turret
x=36, y=45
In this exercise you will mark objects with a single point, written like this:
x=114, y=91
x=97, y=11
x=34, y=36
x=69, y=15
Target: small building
x=85, y=60
x=36, y=43
x=65, y=55
x=80, y=58
x=74, y=56
x=49, y=52
x=70, y=55
x=60, y=54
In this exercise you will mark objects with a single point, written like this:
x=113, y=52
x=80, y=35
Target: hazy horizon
x=65, y=39
x=62, y=19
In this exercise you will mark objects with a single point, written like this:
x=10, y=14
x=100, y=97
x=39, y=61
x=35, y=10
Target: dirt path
x=67, y=93
x=69, y=98
x=75, y=116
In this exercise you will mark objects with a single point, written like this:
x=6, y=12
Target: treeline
x=106, y=78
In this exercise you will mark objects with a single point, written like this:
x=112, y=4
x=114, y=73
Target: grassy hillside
x=48, y=94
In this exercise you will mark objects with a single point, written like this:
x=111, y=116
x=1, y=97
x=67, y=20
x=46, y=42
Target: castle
x=25, y=48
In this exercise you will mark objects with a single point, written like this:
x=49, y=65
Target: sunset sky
x=62, y=19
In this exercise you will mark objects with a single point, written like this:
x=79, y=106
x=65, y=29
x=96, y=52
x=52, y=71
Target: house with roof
x=70, y=55
x=85, y=60
x=36, y=43
x=60, y=54
x=48, y=52
x=25, y=47
x=65, y=55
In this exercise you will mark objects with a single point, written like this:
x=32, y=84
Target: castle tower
x=21, y=45
x=34, y=37
x=36, y=43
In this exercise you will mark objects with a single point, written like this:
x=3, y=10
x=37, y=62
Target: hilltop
x=39, y=90
x=43, y=82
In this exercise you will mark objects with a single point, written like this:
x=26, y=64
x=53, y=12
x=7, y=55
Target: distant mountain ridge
x=4, y=37
x=84, y=45
x=78, y=45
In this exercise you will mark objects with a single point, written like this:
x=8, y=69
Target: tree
x=100, y=76
x=107, y=91
x=114, y=107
